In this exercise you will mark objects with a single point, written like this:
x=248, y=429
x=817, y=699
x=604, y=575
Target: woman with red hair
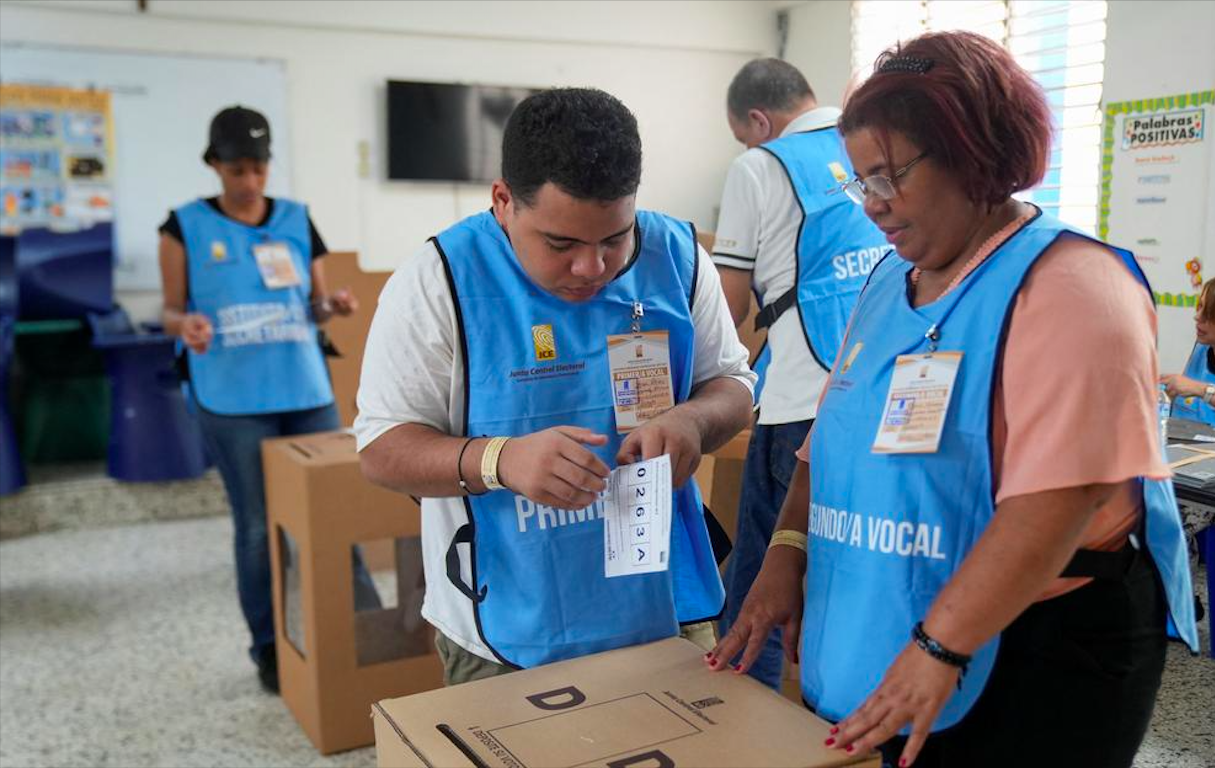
x=988, y=570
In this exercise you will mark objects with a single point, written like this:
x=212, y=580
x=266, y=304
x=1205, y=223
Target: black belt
x=1092, y=563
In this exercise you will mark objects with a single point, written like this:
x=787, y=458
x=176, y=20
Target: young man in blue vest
x=805, y=251
x=487, y=390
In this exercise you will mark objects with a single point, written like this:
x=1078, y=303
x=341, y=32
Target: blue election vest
x=534, y=361
x=1195, y=408
x=264, y=357
x=887, y=531
x=837, y=244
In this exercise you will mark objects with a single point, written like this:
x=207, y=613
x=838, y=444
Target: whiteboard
x=162, y=106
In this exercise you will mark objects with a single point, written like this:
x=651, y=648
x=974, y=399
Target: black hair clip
x=906, y=64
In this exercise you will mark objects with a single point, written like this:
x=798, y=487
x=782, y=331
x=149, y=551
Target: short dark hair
x=974, y=110
x=770, y=84
x=583, y=140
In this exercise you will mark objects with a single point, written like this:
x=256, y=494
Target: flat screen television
x=445, y=132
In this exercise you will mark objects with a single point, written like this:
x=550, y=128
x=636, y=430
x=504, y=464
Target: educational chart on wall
x=161, y=105
x=1157, y=189
x=56, y=155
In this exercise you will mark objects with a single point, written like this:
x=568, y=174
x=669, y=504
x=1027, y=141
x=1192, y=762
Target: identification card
x=637, y=518
x=275, y=264
x=917, y=403
x=641, y=377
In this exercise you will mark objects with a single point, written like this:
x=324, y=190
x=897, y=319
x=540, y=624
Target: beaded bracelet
x=939, y=652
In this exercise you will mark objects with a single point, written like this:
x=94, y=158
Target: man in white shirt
x=787, y=234
x=487, y=390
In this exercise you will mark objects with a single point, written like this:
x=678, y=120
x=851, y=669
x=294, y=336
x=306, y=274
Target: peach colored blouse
x=1076, y=402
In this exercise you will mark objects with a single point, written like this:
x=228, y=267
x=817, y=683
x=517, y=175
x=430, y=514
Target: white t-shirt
x=757, y=232
x=413, y=374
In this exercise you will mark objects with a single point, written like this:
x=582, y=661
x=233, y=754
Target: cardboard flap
x=651, y=705
x=322, y=447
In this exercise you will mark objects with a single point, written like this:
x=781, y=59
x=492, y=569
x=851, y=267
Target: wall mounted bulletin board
x=1157, y=191
x=161, y=106
x=56, y=154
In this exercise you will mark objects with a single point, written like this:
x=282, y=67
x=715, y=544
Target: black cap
x=238, y=133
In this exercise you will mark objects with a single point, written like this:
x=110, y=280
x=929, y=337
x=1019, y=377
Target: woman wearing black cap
x=245, y=290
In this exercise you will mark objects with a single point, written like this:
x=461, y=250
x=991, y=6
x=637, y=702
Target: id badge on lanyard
x=918, y=400
x=275, y=265
x=640, y=366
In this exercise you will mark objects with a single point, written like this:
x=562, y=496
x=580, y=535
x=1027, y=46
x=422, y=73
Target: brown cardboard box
x=720, y=479
x=334, y=661
x=349, y=334
x=650, y=706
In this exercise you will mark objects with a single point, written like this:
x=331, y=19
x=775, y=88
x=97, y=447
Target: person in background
x=488, y=390
x=244, y=288
x=987, y=582
x=786, y=234
x=1193, y=391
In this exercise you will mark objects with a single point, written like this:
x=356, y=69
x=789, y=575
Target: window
x=1060, y=42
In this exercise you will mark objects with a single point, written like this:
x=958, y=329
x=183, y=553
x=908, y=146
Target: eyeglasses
x=884, y=187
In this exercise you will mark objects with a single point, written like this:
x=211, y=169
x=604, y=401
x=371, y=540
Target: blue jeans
x=766, y=474
x=235, y=444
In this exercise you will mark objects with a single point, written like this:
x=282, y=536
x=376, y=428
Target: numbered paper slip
x=637, y=518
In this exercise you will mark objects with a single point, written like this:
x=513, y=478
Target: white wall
x=1153, y=48
x=820, y=45
x=669, y=61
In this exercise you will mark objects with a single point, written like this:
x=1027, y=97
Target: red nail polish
x=902, y=762
x=850, y=749
x=738, y=667
x=829, y=742
x=835, y=729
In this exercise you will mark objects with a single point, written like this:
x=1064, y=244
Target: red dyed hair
x=975, y=111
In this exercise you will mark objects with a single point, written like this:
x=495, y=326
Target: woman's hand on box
x=775, y=600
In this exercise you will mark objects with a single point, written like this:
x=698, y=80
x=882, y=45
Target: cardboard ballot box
x=719, y=477
x=347, y=636
x=649, y=706
x=349, y=334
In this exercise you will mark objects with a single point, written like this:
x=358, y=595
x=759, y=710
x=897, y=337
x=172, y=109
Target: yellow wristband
x=788, y=538
x=489, y=463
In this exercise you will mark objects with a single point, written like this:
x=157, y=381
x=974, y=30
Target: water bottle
x=1164, y=406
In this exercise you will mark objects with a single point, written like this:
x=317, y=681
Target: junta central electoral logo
x=544, y=342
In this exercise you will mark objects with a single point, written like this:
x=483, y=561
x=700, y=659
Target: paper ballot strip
x=637, y=518
x=917, y=403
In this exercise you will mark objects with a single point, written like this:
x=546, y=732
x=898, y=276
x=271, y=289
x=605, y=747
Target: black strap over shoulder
x=769, y=314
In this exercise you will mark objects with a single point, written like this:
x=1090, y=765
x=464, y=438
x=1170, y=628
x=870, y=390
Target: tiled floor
x=124, y=646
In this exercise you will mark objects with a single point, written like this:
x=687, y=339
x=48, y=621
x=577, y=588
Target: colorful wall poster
x=1157, y=190
x=56, y=157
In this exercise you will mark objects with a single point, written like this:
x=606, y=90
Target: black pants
x=1073, y=685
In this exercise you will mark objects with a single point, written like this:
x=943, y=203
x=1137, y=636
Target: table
x=1197, y=507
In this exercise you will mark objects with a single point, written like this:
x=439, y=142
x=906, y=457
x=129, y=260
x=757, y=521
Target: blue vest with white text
x=887, y=531
x=538, y=587
x=1195, y=408
x=264, y=357
x=837, y=245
